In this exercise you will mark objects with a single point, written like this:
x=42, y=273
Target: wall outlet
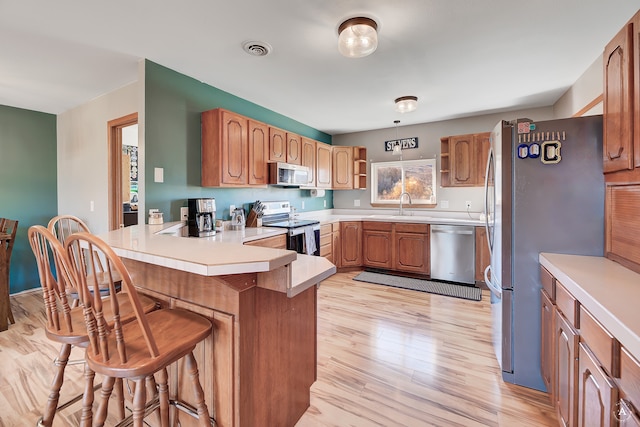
x=467, y=205
x=158, y=175
x=356, y=202
x=184, y=214
x=91, y=206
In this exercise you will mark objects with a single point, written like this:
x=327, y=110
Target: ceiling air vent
x=256, y=48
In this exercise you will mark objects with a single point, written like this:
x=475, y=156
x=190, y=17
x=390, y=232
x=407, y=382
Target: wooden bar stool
x=66, y=324
x=62, y=226
x=136, y=350
x=8, y=230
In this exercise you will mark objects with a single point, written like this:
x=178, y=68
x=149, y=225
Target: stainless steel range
x=303, y=236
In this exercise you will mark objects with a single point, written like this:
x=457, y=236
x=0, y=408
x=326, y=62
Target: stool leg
x=119, y=390
x=56, y=385
x=87, y=399
x=163, y=396
x=103, y=404
x=201, y=406
x=139, y=402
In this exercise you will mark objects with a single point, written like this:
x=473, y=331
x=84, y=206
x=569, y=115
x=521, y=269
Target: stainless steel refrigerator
x=544, y=191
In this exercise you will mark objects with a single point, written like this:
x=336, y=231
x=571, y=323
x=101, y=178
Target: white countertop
x=609, y=291
x=208, y=256
x=425, y=217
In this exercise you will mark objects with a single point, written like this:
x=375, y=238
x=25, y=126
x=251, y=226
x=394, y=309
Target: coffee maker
x=202, y=217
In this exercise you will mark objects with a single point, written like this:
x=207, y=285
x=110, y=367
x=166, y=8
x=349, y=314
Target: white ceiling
x=460, y=57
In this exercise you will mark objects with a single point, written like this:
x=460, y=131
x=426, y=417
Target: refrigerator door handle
x=492, y=287
x=488, y=213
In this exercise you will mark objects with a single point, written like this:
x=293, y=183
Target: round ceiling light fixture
x=406, y=104
x=357, y=37
x=255, y=48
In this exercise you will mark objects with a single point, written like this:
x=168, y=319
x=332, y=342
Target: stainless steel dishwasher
x=453, y=253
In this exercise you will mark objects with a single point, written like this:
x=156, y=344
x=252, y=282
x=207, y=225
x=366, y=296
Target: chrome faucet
x=401, y=198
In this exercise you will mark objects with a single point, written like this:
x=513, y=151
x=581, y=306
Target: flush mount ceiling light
x=406, y=104
x=357, y=37
x=256, y=48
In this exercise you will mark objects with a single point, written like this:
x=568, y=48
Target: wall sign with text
x=404, y=143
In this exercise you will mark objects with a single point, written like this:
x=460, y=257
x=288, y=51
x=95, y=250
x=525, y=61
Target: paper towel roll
x=317, y=193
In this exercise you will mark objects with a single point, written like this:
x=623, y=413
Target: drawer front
x=336, y=226
x=377, y=226
x=567, y=304
x=325, y=239
x=411, y=228
x=630, y=378
x=326, y=229
x=548, y=283
x=325, y=250
x=601, y=343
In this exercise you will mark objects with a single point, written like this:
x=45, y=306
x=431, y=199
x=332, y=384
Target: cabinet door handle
x=612, y=157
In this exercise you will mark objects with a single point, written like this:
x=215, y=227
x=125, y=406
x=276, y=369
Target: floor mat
x=441, y=288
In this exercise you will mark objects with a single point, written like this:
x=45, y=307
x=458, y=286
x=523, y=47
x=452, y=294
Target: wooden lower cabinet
x=547, y=349
x=276, y=242
x=376, y=245
x=411, y=244
x=351, y=244
x=566, y=366
x=336, y=245
x=597, y=395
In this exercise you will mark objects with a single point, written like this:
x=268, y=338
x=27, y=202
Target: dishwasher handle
x=452, y=230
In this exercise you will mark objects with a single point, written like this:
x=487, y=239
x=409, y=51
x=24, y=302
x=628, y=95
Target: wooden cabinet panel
x=360, y=168
x=294, y=149
x=635, y=39
x=323, y=165
x=309, y=159
x=463, y=159
x=351, y=247
x=483, y=257
x=630, y=378
x=277, y=145
x=597, y=394
x=336, y=246
x=547, y=348
x=326, y=241
x=342, y=168
x=567, y=305
x=224, y=149
x=622, y=228
x=412, y=252
x=601, y=343
x=548, y=283
x=276, y=242
x=463, y=166
x=258, y=152
x=618, y=103
x=376, y=248
x=566, y=367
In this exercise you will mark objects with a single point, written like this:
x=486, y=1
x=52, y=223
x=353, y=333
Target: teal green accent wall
x=28, y=183
x=173, y=103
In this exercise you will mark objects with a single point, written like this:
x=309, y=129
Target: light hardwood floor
x=386, y=357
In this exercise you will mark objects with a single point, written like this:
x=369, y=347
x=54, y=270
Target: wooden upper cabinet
x=258, y=152
x=323, y=165
x=224, y=149
x=277, y=145
x=463, y=159
x=618, y=101
x=294, y=149
x=342, y=168
x=309, y=159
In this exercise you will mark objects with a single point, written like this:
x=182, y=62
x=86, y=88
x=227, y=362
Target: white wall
x=83, y=157
x=586, y=89
x=429, y=135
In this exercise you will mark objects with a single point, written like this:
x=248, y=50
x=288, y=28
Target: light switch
x=444, y=204
x=158, y=175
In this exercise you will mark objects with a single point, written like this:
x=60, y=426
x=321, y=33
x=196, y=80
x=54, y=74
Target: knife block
x=252, y=219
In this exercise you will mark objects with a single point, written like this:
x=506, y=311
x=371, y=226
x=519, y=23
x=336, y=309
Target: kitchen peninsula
x=260, y=361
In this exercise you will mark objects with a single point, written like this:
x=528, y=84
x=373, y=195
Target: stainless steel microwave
x=288, y=175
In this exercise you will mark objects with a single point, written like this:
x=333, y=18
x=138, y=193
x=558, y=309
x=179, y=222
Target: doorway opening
x=123, y=171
